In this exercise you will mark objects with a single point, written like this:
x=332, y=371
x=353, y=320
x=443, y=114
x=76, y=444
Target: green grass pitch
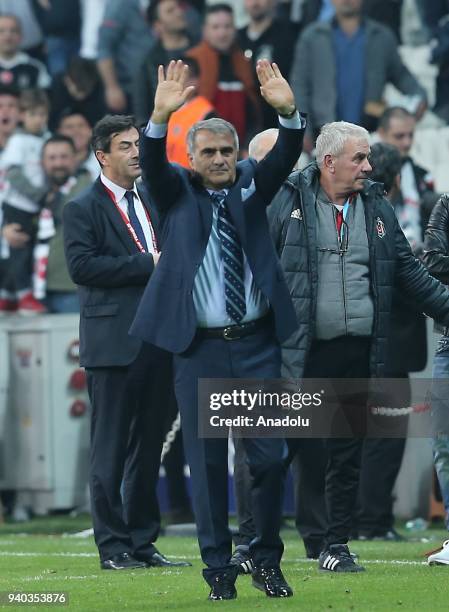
x=41, y=559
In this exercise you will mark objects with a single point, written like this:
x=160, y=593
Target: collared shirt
x=121, y=201
x=350, y=73
x=208, y=286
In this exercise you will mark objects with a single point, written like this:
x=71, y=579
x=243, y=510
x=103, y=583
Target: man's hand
x=171, y=92
x=274, y=88
x=14, y=235
x=156, y=257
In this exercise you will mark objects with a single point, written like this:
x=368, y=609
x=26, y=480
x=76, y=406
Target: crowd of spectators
x=66, y=63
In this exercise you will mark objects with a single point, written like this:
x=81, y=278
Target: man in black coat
x=209, y=302
x=112, y=248
x=343, y=253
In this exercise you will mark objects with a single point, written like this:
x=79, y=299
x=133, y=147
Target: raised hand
x=274, y=88
x=171, y=92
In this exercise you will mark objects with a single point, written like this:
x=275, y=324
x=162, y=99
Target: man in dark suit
x=112, y=248
x=219, y=302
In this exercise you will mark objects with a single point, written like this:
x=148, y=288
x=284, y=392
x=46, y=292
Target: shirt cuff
x=297, y=122
x=155, y=130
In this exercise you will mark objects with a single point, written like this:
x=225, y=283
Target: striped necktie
x=134, y=219
x=232, y=256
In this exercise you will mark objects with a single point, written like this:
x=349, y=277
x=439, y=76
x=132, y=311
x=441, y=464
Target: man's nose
x=218, y=158
x=367, y=166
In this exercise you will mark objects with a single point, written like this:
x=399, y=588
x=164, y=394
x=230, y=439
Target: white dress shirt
x=122, y=202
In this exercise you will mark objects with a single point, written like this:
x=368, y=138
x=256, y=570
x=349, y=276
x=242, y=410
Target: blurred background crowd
x=64, y=64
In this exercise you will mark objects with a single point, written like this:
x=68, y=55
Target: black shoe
x=242, y=559
x=157, y=559
x=223, y=586
x=271, y=581
x=337, y=558
x=122, y=561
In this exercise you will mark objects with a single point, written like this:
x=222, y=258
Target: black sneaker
x=337, y=558
x=223, y=586
x=271, y=581
x=242, y=560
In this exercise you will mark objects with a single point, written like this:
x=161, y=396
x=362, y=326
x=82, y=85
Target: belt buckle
x=227, y=334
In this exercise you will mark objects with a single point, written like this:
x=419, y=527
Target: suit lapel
x=205, y=207
x=114, y=217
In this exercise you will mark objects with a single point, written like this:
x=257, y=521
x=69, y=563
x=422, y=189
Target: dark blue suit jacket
x=111, y=274
x=166, y=315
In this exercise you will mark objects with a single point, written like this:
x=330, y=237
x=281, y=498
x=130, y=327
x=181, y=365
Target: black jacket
x=111, y=274
x=392, y=264
x=407, y=346
x=436, y=241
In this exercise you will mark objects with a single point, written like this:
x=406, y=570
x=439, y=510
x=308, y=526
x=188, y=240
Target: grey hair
x=334, y=136
x=214, y=125
x=253, y=147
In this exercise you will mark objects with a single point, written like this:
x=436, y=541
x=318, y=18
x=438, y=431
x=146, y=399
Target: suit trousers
x=255, y=356
x=128, y=411
x=307, y=457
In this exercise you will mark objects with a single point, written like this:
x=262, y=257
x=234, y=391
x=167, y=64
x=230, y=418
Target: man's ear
x=329, y=163
x=101, y=157
x=191, y=162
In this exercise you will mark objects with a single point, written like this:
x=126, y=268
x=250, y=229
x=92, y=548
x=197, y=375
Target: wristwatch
x=289, y=115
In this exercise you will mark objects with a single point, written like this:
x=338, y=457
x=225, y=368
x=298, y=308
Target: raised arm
x=163, y=181
x=171, y=92
x=274, y=88
x=272, y=171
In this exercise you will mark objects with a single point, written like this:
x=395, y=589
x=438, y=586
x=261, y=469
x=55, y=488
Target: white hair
x=216, y=125
x=334, y=136
x=254, y=149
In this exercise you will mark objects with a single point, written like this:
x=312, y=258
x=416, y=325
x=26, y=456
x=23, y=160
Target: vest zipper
x=344, y=289
x=342, y=267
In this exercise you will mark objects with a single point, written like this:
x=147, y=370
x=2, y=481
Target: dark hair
x=9, y=90
x=393, y=112
x=32, y=98
x=58, y=138
x=218, y=8
x=69, y=112
x=386, y=163
x=152, y=11
x=109, y=126
x=83, y=73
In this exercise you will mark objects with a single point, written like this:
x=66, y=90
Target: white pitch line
x=197, y=558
